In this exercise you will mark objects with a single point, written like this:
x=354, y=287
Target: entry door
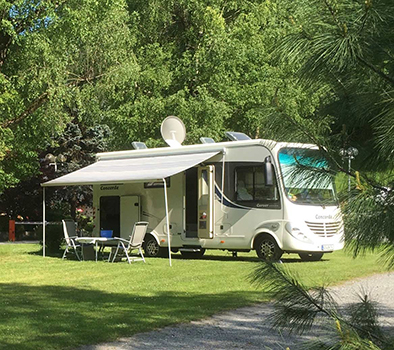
x=109, y=214
x=129, y=214
x=206, y=197
x=191, y=203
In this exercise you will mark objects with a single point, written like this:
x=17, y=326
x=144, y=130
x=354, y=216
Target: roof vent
x=207, y=140
x=139, y=145
x=236, y=136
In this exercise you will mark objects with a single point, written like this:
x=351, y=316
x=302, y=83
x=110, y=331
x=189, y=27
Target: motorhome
x=237, y=195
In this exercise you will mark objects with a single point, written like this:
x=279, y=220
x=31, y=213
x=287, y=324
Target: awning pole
x=223, y=178
x=167, y=221
x=43, y=222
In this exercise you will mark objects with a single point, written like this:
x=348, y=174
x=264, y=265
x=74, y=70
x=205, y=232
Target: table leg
x=96, y=249
x=110, y=253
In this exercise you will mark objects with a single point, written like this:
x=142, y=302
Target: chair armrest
x=121, y=239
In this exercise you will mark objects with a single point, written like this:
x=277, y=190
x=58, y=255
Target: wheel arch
x=265, y=233
x=154, y=235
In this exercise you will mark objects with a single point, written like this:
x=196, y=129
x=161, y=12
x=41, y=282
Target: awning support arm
x=167, y=220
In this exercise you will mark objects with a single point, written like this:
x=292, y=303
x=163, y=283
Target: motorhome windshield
x=305, y=179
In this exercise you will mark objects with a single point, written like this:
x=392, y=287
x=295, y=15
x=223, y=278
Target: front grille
x=325, y=229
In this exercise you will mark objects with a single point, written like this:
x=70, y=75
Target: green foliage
x=369, y=221
x=56, y=63
x=78, y=144
x=210, y=64
x=297, y=309
x=345, y=53
x=316, y=71
x=54, y=238
x=364, y=315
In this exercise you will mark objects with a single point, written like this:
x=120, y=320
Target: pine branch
x=333, y=15
x=297, y=308
x=376, y=70
x=328, y=154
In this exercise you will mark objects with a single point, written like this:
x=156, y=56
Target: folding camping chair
x=69, y=236
x=135, y=242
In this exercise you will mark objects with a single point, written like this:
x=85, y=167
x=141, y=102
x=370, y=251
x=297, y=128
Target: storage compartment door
x=206, y=197
x=129, y=214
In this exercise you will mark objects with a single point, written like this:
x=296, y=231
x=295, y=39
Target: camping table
x=96, y=240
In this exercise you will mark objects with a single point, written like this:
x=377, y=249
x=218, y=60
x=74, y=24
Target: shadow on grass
x=241, y=258
x=57, y=317
x=53, y=253
x=177, y=256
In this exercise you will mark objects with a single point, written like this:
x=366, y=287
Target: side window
x=244, y=184
x=250, y=187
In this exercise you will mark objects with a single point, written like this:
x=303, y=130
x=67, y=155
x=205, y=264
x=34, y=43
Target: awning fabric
x=131, y=169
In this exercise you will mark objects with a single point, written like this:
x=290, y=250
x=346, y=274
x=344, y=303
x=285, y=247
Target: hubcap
x=267, y=249
x=152, y=248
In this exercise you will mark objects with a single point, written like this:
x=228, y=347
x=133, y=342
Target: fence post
x=11, y=230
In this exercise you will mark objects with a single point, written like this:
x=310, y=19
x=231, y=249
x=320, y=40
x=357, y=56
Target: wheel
x=152, y=248
x=310, y=256
x=267, y=248
x=191, y=255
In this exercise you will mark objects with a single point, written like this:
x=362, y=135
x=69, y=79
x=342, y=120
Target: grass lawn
x=54, y=304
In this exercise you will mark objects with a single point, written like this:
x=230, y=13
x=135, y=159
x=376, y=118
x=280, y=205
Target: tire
x=267, y=249
x=311, y=256
x=152, y=248
x=193, y=255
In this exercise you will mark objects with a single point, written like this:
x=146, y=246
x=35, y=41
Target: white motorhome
x=234, y=195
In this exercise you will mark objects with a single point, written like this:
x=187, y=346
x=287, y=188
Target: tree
x=79, y=144
x=209, y=63
x=346, y=53
x=56, y=64
x=297, y=309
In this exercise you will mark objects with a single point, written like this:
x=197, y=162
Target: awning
x=131, y=169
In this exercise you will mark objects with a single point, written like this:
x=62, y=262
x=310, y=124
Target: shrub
x=53, y=237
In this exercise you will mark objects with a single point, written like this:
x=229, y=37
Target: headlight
x=297, y=233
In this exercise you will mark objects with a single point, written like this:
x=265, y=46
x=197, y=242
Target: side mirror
x=269, y=171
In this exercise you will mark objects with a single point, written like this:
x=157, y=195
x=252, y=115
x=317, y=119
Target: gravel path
x=248, y=328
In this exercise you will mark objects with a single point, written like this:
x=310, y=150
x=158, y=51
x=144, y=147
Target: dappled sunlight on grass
x=56, y=304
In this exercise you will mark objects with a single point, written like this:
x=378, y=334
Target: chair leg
x=76, y=254
x=65, y=252
x=75, y=250
x=116, y=253
x=142, y=255
x=127, y=254
x=110, y=253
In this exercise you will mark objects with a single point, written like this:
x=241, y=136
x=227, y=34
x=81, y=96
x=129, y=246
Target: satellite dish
x=173, y=131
